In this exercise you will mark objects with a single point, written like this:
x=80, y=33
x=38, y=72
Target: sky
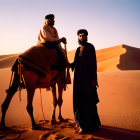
x=109, y=22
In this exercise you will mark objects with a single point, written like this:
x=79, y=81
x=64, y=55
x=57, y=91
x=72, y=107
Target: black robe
x=85, y=95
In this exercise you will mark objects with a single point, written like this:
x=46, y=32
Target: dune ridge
x=121, y=57
x=7, y=60
x=116, y=58
x=8, y=55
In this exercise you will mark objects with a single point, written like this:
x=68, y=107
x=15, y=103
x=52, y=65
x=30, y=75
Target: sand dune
x=119, y=106
x=7, y=60
x=120, y=57
x=8, y=55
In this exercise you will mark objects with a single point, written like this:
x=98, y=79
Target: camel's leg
x=54, y=103
x=10, y=93
x=31, y=80
x=60, y=101
x=30, y=95
x=4, y=107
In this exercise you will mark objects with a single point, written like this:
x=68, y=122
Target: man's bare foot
x=81, y=132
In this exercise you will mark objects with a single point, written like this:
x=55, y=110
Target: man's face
x=82, y=38
x=51, y=22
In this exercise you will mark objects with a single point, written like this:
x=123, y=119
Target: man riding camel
x=41, y=66
x=49, y=35
x=40, y=58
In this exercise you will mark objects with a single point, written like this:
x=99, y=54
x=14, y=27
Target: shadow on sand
x=115, y=133
x=130, y=60
x=104, y=132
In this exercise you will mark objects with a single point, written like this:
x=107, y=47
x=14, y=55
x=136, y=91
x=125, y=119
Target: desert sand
x=119, y=106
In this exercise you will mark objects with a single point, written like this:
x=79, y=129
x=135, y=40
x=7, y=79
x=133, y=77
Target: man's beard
x=82, y=42
x=50, y=24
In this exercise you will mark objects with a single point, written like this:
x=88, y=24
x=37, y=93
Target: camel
x=33, y=80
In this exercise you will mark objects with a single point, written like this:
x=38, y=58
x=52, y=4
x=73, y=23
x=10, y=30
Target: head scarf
x=50, y=16
x=82, y=31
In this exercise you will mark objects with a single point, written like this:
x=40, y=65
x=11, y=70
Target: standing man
x=85, y=95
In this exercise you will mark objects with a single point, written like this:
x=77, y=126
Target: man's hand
x=94, y=83
x=63, y=40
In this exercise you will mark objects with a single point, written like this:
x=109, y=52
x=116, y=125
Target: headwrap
x=82, y=31
x=50, y=16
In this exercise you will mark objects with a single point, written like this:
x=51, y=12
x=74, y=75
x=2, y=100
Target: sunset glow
x=109, y=22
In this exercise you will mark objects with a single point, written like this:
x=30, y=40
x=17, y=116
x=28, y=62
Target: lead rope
x=42, y=106
x=67, y=72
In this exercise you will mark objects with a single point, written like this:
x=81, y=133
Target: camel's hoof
x=35, y=127
x=61, y=119
x=53, y=122
x=3, y=127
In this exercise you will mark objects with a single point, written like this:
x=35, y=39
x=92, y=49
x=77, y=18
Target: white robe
x=48, y=34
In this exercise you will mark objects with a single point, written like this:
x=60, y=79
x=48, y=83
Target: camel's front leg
x=31, y=80
x=54, y=103
x=60, y=101
x=30, y=95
